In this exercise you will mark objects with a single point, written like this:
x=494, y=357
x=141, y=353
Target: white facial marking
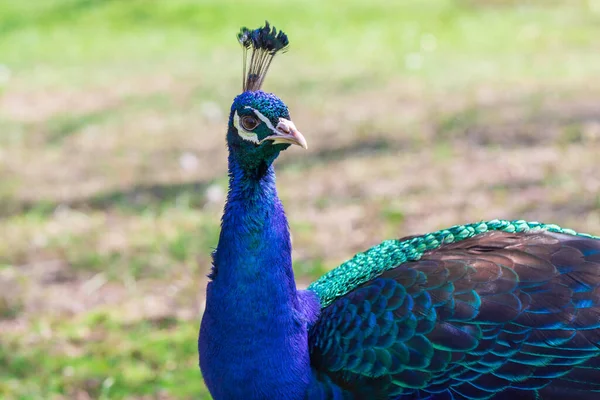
x=263, y=118
x=244, y=134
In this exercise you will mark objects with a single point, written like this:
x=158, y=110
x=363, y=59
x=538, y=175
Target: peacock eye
x=249, y=122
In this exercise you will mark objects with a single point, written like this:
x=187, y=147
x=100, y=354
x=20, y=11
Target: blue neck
x=254, y=245
x=253, y=339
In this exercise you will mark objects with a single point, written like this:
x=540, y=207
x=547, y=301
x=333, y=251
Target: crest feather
x=264, y=43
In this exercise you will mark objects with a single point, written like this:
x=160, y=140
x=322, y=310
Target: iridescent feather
x=495, y=315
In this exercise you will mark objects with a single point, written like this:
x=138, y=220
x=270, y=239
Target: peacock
x=490, y=310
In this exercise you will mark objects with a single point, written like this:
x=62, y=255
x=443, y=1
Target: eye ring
x=249, y=122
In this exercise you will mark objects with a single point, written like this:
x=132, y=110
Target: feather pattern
x=496, y=313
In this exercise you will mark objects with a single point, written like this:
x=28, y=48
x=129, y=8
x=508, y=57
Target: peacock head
x=259, y=123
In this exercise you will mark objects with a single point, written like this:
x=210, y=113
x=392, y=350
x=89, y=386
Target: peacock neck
x=254, y=316
x=254, y=244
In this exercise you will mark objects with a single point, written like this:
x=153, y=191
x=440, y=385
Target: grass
x=114, y=362
x=419, y=115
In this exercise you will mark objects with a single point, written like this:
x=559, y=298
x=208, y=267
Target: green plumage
x=483, y=311
x=389, y=254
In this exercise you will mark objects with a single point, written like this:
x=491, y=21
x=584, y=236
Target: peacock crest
x=264, y=42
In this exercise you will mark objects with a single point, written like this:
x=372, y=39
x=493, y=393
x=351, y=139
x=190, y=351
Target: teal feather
x=483, y=315
x=392, y=253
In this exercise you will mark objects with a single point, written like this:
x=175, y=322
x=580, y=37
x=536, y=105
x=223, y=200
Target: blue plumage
x=471, y=319
x=253, y=337
x=493, y=310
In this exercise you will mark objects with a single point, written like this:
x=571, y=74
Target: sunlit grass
x=103, y=357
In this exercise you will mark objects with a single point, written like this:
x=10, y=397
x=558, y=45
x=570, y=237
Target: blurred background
x=419, y=114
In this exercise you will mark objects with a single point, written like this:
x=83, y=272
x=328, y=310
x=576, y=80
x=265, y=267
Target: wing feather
x=499, y=315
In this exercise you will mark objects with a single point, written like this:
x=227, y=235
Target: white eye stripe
x=244, y=134
x=262, y=118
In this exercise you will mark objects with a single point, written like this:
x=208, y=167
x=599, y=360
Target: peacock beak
x=286, y=132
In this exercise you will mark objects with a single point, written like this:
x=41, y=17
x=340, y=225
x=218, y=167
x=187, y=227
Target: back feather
x=502, y=315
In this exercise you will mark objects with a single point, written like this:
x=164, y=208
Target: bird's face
x=260, y=128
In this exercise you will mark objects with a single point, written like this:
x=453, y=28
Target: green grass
x=84, y=42
x=419, y=115
x=104, y=358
